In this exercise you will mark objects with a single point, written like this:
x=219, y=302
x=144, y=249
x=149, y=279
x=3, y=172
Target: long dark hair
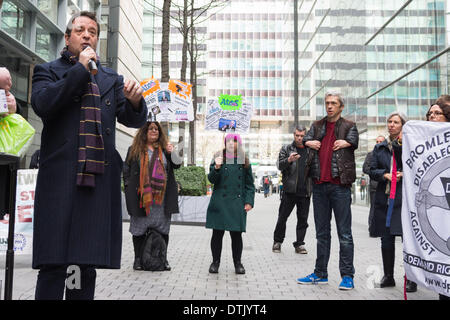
x=139, y=145
x=239, y=153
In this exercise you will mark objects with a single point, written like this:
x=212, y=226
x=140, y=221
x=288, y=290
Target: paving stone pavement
x=269, y=276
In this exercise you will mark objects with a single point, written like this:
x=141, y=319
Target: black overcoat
x=131, y=174
x=77, y=225
x=379, y=165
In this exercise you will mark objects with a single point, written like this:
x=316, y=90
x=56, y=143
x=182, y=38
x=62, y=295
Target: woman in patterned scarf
x=150, y=187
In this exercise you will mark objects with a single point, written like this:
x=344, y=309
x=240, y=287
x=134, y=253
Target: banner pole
x=9, y=268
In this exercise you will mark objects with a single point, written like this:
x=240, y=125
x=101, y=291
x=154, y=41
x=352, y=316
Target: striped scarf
x=152, y=180
x=91, y=152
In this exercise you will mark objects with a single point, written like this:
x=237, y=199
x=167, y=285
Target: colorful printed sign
x=228, y=102
x=228, y=113
x=170, y=101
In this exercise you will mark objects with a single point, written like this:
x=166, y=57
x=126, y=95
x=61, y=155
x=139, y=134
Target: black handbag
x=153, y=251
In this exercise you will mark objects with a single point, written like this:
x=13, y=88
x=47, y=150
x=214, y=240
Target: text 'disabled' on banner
x=426, y=204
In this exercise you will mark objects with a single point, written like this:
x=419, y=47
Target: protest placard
x=23, y=231
x=170, y=101
x=228, y=113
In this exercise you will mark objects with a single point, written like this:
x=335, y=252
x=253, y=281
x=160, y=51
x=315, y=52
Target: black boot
x=214, y=267
x=411, y=286
x=239, y=268
x=388, y=256
x=137, y=264
x=387, y=281
x=137, y=245
x=166, y=264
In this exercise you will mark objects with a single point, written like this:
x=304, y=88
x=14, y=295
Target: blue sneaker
x=347, y=283
x=312, y=279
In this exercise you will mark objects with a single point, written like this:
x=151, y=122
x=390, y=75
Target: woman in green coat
x=232, y=197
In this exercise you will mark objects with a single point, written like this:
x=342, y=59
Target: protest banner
x=170, y=101
x=228, y=113
x=426, y=204
x=23, y=231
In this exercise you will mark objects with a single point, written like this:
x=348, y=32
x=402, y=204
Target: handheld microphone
x=92, y=65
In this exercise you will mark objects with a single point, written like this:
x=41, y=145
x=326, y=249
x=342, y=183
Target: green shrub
x=192, y=181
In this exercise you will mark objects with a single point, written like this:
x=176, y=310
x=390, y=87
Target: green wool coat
x=233, y=188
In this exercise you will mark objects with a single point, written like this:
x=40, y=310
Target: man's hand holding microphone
x=88, y=58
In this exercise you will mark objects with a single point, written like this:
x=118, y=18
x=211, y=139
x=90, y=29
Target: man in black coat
x=372, y=185
x=296, y=191
x=77, y=217
x=6, y=84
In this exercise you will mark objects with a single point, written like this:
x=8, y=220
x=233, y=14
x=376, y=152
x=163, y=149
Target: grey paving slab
x=269, y=276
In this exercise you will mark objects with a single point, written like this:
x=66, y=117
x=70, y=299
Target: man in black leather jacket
x=296, y=191
x=332, y=141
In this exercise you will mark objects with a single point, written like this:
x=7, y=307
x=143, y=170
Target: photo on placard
x=225, y=124
x=163, y=96
x=156, y=110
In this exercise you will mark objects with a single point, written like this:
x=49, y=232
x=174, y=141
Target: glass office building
x=381, y=55
x=250, y=52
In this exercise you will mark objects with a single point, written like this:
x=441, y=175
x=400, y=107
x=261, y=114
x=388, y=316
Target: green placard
x=229, y=102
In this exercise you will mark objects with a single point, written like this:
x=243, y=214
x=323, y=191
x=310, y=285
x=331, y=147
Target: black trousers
x=51, y=283
x=236, y=245
x=288, y=202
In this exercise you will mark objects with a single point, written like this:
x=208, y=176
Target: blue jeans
x=329, y=197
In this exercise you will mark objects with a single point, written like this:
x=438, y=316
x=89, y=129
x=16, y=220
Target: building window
x=49, y=8
x=43, y=43
x=15, y=22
